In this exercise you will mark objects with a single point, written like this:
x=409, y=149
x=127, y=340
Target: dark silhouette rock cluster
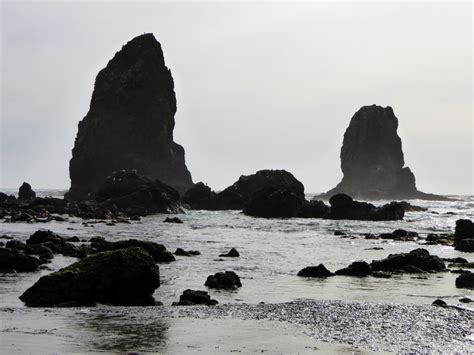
x=372, y=159
x=195, y=297
x=25, y=192
x=223, y=280
x=130, y=122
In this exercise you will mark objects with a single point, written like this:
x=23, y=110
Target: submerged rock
x=125, y=277
x=232, y=253
x=173, y=220
x=193, y=297
x=418, y=258
x=130, y=122
x=26, y=193
x=182, y=252
x=315, y=271
x=372, y=159
x=223, y=280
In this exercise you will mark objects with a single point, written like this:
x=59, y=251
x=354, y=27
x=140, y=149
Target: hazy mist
x=258, y=85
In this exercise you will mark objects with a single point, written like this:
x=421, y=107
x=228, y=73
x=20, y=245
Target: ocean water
x=272, y=252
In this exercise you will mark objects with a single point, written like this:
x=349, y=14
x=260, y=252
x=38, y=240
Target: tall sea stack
x=130, y=122
x=372, y=159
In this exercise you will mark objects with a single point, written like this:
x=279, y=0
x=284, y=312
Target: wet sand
x=290, y=328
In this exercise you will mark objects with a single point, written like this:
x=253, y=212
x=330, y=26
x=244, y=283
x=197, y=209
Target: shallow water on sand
x=272, y=252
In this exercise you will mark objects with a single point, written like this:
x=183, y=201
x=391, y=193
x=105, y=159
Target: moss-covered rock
x=125, y=277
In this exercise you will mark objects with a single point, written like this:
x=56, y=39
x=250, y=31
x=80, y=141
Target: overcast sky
x=258, y=85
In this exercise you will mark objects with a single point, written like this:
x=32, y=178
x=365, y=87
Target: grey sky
x=259, y=85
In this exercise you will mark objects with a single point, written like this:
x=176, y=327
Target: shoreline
x=301, y=326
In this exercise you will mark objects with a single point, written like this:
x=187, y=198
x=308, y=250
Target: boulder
x=419, y=258
x=439, y=303
x=466, y=245
x=16, y=260
x=464, y=230
x=53, y=242
x=25, y=193
x=130, y=122
x=232, y=253
x=193, y=297
x=372, y=159
x=357, y=268
x=465, y=280
x=344, y=207
x=136, y=194
x=315, y=271
x=271, y=202
x=200, y=197
x=238, y=195
x=223, y=280
x=125, y=277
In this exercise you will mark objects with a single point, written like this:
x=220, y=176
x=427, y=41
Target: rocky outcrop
x=418, y=258
x=135, y=194
x=464, y=230
x=344, y=207
x=357, y=268
x=125, y=277
x=465, y=280
x=372, y=159
x=26, y=193
x=130, y=122
x=238, y=195
x=13, y=260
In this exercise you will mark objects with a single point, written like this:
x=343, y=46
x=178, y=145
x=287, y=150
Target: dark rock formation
x=439, y=303
x=357, y=268
x=136, y=194
x=126, y=277
x=419, y=258
x=464, y=230
x=53, y=242
x=465, y=245
x=173, y=220
x=25, y=193
x=315, y=271
x=221, y=280
x=193, y=297
x=344, y=207
x=200, y=197
x=233, y=253
x=15, y=260
x=130, y=122
x=465, y=280
x=182, y=252
x=272, y=202
x=372, y=159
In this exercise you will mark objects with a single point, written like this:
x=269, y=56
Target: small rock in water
x=315, y=271
x=221, y=280
x=465, y=300
x=182, y=252
x=194, y=297
x=233, y=253
x=439, y=303
x=339, y=233
x=172, y=220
